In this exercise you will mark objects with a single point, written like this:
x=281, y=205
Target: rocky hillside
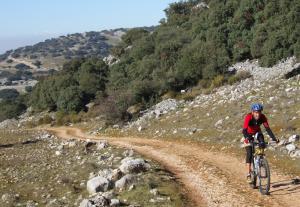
x=19, y=67
x=38, y=169
x=217, y=117
x=53, y=52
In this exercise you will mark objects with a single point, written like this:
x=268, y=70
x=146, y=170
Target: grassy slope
x=283, y=112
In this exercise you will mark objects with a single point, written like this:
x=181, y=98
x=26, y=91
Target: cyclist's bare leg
x=249, y=167
x=248, y=175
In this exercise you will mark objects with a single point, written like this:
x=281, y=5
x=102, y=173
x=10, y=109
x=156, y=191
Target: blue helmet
x=257, y=107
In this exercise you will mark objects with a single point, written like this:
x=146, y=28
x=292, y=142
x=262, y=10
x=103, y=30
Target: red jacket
x=252, y=126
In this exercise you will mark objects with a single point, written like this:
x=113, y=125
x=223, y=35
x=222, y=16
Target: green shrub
x=242, y=75
x=72, y=88
x=45, y=120
x=133, y=35
x=28, y=89
x=188, y=96
x=218, y=81
x=11, y=109
x=22, y=66
x=63, y=118
x=9, y=94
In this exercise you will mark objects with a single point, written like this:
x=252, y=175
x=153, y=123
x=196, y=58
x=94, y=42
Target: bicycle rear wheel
x=264, y=177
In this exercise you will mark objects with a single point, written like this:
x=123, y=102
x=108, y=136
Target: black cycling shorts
x=249, y=153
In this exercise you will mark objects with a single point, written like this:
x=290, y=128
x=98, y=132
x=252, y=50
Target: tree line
x=193, y=45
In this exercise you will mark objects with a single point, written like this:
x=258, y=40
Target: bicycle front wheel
x=264, y=177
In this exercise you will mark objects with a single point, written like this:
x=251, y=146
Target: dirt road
x=209, y=178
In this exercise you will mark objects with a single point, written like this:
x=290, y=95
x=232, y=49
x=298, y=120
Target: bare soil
x=210, y=178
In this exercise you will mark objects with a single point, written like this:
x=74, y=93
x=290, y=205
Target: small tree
x=70, y=99
x=37, y=63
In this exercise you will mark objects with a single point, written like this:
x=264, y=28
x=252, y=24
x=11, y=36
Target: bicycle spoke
x=264, y=177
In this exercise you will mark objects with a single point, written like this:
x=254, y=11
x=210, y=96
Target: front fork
x=256, y=167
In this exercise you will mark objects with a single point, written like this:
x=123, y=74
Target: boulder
x=60, y=147
x=86, y=203
x=290, y=147
x=102, y=145
x=219, y=123
x=116, y=175
x=294, y=138
x=8, y=198
x=98, y=184
x=115, y=202
x=72, y=144
x=295, y=154
x=109, y=174
x=154, y=191
x=140, y=128
x=98, y=201
x=106, y=173
x=125, y=182
x=116, y=126
x=58, y=153
x=45, y=136
x=133, y=166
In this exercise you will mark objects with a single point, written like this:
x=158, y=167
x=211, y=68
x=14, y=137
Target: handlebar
x=266, y=143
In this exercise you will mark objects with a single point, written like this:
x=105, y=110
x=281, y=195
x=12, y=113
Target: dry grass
x=283, y=118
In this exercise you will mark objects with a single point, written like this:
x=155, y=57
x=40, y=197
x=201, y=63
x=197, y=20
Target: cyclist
x=252, y=124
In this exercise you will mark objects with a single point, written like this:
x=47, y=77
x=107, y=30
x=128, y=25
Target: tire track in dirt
x=210, y=178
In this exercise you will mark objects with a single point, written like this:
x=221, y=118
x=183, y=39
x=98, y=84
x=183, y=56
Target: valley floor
x=211, y=177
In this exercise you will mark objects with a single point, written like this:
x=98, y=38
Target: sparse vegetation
x=11, y=109
x=242, y=75
x=11, y=104
x=63, y=118
x=9, y=94
x=22, y=66
x=71, y=89
x=45, y=120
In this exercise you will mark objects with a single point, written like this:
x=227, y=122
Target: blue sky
x=28, y=21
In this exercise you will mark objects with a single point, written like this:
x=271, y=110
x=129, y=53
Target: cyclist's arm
x=268, y=129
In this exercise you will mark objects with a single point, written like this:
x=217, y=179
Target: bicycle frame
x=258, y=160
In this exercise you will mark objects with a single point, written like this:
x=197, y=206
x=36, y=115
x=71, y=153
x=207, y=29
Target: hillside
x=21, y=67
x=192, y=47
x=52, y=53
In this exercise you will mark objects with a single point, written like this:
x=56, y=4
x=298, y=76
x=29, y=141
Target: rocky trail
x=210, y=178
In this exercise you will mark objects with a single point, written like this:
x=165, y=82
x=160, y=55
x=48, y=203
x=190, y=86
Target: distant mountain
x=41, y=59
x=21, y=67
x=52, y=53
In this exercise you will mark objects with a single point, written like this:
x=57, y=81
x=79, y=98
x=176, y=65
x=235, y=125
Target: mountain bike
x=260, y=174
